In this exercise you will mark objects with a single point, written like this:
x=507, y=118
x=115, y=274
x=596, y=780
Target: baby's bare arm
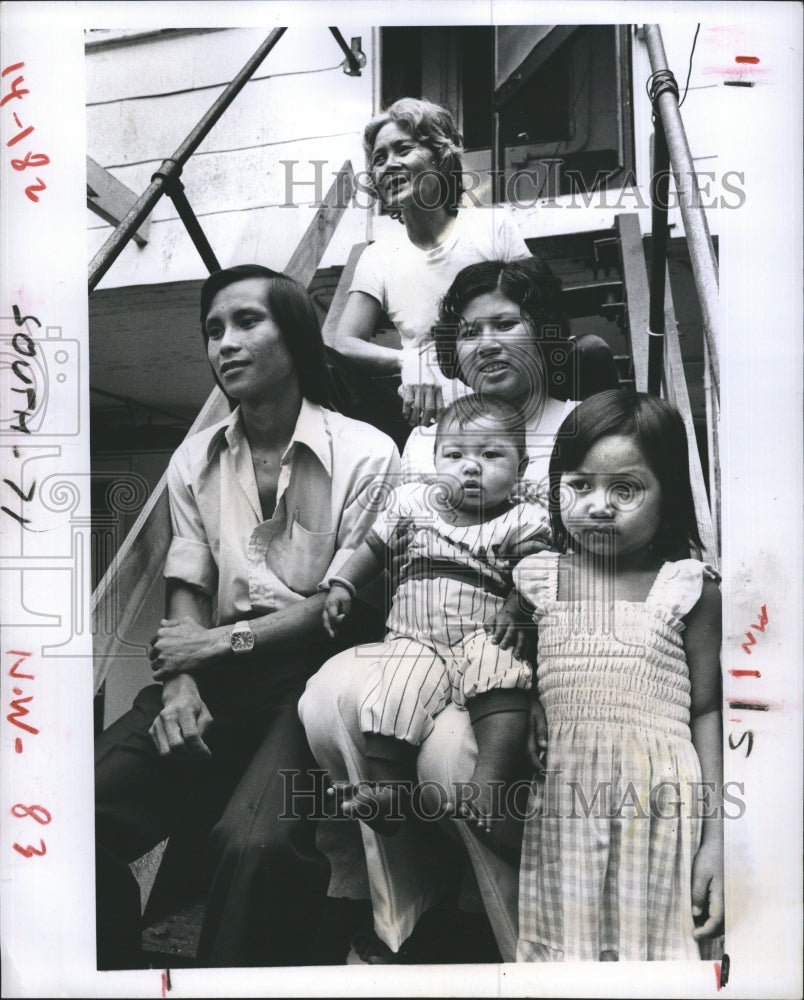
x=512, y=627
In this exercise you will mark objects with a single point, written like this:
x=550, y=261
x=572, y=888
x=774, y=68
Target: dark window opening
x=541, y=110
x=401, y=64
x=555, y=94
x=476, y=67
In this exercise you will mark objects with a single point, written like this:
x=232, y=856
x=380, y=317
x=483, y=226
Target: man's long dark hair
x=293, y=312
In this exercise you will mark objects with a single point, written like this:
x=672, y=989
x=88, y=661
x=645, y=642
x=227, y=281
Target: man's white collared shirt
x=223, y=545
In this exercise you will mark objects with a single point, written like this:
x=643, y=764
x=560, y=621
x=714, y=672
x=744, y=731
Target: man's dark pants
x=267, y=881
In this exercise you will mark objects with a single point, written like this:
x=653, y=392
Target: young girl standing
x=623, y=859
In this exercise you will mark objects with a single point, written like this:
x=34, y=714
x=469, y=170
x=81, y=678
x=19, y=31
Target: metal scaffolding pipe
x=175, y=191
x=659, y=188
x=171, y=168
x=702, y=252
x=351, y=57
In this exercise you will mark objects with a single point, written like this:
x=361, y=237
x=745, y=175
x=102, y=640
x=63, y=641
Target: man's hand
x=180, y=726
x=179, y=646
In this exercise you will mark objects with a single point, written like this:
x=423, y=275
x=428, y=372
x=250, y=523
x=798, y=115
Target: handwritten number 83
x=42, y=816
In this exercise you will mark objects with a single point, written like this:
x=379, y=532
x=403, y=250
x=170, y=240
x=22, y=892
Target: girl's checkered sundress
x=606, y=861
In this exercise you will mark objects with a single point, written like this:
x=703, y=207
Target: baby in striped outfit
x=450, y=546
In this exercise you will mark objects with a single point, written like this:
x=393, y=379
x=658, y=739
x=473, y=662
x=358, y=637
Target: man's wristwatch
x=241, y=639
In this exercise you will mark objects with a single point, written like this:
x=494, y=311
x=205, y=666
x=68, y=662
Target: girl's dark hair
x=528, y=283
x=433, y=127
x=659, y=432
x=469, y=410
x=293, y=312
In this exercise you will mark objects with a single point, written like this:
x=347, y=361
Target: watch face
x=242, y=641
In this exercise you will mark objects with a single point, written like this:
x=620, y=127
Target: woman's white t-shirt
x=409, y=283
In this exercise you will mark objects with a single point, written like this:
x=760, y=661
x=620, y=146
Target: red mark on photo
x=22, y=656
x=166, y=986
x=35, y=812
x=753, y=60
x=736, y=70
x=30, y=191
x=763, y=619
x=40, y=815
x=30, y=159
x=757, y=627
x=745, y=673
x=18, y=709
x=14, y=92
x=20, y=135
x=30, y=850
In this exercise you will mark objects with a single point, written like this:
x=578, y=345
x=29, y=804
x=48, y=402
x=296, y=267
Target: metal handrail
x=659, y=188
x=171, y=168
x=702, y=251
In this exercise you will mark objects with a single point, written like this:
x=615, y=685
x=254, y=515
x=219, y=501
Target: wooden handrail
x=676, y=392
x=329, y=327
x=119, y=597
x=637, y=295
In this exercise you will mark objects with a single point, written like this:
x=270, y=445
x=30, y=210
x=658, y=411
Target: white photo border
x=48, y=898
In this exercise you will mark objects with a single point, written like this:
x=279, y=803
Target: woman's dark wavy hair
x=293, y=312
x=528, y=283
x=659, y=432
x=433, y=127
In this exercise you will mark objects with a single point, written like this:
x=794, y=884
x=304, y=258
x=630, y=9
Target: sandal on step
x=368, y=949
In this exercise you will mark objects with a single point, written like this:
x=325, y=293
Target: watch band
x=241, y=638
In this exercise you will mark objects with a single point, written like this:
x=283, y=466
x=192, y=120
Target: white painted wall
x=144, y=97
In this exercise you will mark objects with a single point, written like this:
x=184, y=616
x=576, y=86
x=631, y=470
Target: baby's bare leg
x=501, y=761
x=500, y=722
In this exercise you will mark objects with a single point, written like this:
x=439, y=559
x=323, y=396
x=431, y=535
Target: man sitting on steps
x=265, y=506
